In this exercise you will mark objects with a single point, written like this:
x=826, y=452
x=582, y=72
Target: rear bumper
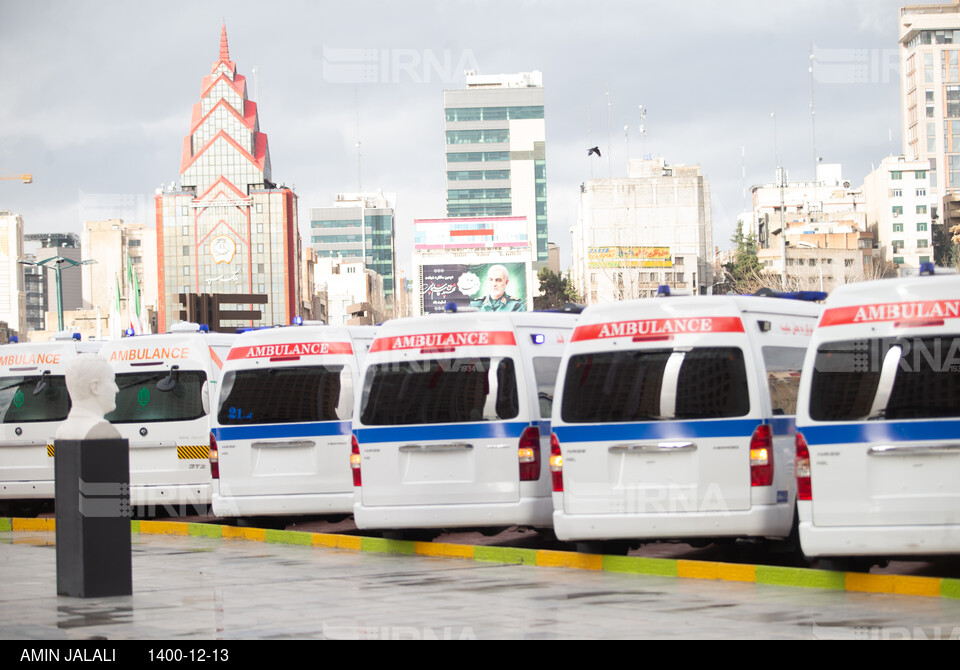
x=29, y=490
x=526, y=512
x=758, y=521
x=879, y=541
x=282, y=505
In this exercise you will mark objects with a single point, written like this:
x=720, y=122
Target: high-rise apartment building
x=227, y=228
x=13, y=299
x=899, y=205
x=41, y=285
x=496, y=151
x=359, y=227
x=930, y=98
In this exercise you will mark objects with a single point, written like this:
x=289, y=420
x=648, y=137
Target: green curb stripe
x=801, y=577
x=509, y=555
x=656, y=567
x=950, y=588
x=6, y=524
x=204, y=530
x=288, y=537
x=379, y=545
x=135, y=527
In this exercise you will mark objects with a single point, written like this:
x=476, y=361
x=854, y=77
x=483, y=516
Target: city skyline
x=99, y=108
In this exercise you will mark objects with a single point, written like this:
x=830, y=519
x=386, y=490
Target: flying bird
x=594, y=150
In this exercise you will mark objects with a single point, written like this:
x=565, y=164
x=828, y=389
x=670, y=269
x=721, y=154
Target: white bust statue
x=93, y=390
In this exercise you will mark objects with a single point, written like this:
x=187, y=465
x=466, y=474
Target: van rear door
x=285, y=420
x=441, y=426
x=886, y=446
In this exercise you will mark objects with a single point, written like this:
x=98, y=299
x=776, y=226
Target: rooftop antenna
x=813, y=126
x=609, y=167
x=643, y=132
x=356, y=99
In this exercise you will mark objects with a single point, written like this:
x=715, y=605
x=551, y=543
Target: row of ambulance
x=695, y=418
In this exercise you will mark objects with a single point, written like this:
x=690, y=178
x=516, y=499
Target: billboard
x=488, y=287
x=629, y=257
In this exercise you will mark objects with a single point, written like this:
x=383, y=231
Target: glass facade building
x=496, y=151
x=227, y=228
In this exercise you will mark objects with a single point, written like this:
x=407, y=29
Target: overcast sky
x=96, y=96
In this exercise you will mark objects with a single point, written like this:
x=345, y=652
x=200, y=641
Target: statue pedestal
x=92, y=485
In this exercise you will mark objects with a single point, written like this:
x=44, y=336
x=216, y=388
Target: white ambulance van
x=674, y=420
x=167, y=384
x=878, y=423
x=454, y=426
x=34, y=401
x=281, y=435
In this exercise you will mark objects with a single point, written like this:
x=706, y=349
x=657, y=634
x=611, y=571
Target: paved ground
x=197, y=588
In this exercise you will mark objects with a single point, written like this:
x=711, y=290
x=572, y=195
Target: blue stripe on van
x=269, y=430
x=666, y=430
x=881, y=431
x=442, y=431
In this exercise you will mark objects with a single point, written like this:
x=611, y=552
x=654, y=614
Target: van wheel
x=846, y=563
x=604, y=547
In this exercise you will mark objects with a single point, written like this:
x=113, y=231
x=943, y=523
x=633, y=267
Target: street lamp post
x=55, y=263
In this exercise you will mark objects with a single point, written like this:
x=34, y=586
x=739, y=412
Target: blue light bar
x=538, y=338
x=204, y=328
x=927, y=268
x=450, y=307
x=14, y=339
x=663, y=290
x=298, y=320
x=129, y=332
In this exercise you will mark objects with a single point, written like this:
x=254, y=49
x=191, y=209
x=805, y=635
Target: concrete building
x=930, y=99
x=110, y=243
x=453, y=259
x=359, y=226
x=13, y=297
x=227, y=228
x=354, y=293
x=496, y=151
x=900, y=208
x=637, y=232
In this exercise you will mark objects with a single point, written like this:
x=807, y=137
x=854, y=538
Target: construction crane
x=25, y=178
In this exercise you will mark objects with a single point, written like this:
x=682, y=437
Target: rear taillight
x=801, y=470
x=529, y=454
x=556, y=464
x=355, y=460
x=761, y=456
x=213, y=455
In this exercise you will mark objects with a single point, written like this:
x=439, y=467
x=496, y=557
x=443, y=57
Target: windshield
x=655, y=384
x=286, y=395
x=20, y=404
x=140, y=399
x=440, y=391
x=886, y=378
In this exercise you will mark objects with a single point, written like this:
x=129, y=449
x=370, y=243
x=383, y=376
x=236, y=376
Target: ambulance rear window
x=849, y=385
x=440, y=391
x=654, y=385
x=22, y=403
x=286, y=395
x=139, y=398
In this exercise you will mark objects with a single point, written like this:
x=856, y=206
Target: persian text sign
x=629, y=257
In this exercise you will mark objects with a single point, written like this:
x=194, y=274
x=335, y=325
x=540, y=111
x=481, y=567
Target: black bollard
x=92, y=487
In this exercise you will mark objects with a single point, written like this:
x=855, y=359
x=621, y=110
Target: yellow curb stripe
x=252, y=534
x=164, y=528
x=896, y=584
x=728, y=572
x=443, y=550
x=35, y=524
x=569, y=559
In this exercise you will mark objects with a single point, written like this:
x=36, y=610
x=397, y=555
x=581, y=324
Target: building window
x=897, y=193
x=921, y=209
x=922, y=244
x=896, y=175
x=186, y=251
x=921, y=227
x=186, y=270
x=921, y=192
x=185, y=230
x=848, y=262
x=898, y=227
x=898, y=244
x=920, y=174
x=897, y=210
x=185, y=211
x=898, y=260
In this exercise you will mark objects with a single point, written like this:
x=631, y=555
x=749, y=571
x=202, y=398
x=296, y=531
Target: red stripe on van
x=891, y=311
x=684, y=326
x=431, y=340
x=290, y=349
